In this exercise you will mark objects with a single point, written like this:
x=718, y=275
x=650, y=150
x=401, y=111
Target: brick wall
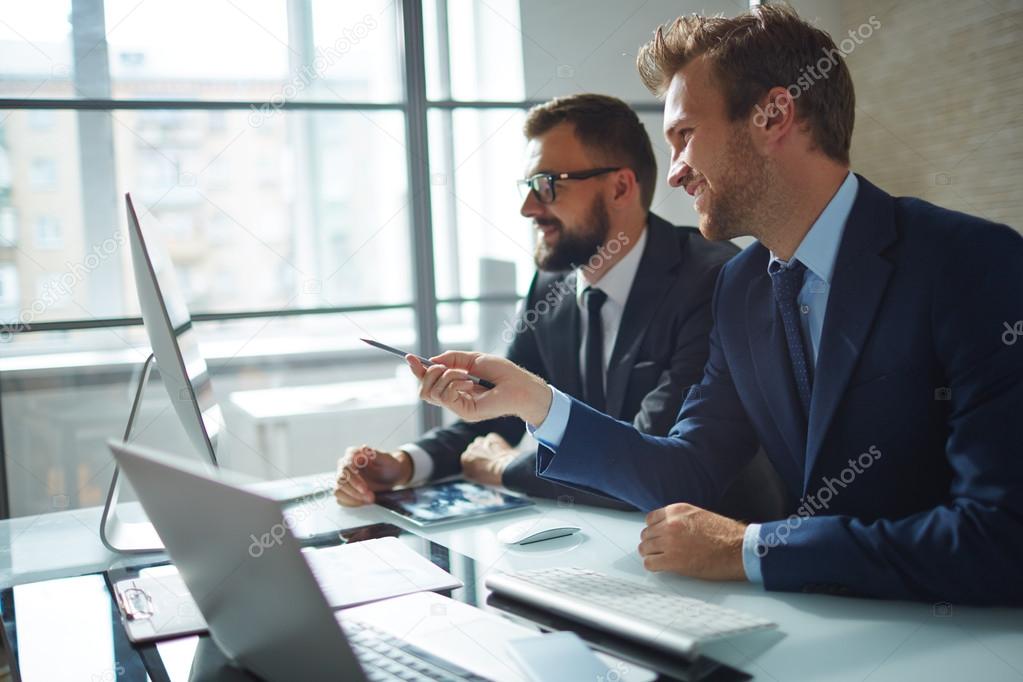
x=939, y=90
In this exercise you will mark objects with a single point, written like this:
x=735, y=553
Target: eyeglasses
x=542, y=184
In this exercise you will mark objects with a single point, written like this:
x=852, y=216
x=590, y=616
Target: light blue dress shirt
x=817, y=252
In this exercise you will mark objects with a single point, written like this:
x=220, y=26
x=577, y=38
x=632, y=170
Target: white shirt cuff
x=552, y=430
x=422, y=464
x=750, y=554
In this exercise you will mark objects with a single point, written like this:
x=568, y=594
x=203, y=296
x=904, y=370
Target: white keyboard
x=650, y=616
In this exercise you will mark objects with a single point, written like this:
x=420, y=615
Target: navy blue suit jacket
x=915, y=425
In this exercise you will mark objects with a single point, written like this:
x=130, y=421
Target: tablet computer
x=438, y=503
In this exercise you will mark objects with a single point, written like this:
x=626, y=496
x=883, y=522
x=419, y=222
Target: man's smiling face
x=712, y=157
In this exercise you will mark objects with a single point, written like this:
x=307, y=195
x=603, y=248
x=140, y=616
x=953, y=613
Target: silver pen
x=426, y=363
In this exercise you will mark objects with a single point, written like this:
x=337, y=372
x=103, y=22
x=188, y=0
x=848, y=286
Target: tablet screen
x=449, y=501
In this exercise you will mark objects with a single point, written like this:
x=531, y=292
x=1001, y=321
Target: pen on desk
x=426, y=363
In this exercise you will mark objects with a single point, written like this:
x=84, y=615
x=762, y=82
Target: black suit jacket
x=659, y=353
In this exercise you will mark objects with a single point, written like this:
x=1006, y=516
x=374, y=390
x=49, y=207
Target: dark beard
x=577, y=247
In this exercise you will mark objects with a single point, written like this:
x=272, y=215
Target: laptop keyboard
x=386, y=658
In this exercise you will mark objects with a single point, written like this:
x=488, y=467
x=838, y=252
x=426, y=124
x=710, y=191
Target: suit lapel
x=770, y=354
x=660, y=256
x=564, y=340
x=858, y=284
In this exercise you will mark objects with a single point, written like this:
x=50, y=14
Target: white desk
x=820, y=637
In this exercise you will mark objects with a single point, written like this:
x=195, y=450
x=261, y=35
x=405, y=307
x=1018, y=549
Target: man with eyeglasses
x=618, y=314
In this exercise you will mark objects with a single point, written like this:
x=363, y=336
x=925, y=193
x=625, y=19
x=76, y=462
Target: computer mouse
x=535, y=530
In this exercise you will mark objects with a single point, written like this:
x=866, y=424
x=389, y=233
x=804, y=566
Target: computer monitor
x=182, y=369
x=169, y=327
x=186, y=378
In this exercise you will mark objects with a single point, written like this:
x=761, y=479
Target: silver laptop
x=267, y=613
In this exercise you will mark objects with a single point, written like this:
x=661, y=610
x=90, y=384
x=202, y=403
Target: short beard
x=739, y=203
x=575, y=248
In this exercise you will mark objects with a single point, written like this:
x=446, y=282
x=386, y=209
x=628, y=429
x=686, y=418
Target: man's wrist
x=537, y=404
x=736, y=558
x=408, y=467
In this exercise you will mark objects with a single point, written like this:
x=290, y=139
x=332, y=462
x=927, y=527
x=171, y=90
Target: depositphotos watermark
x=325, y=58
x=291, y=518
x=812, y=504
x=562, y=289
x=812, y=73
x=1012, y=333
x=62, y=287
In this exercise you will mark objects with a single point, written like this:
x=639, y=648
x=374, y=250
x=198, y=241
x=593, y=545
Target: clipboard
x=157, y=607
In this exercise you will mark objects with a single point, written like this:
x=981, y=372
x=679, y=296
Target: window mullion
x=424, y=281
x=96, y=156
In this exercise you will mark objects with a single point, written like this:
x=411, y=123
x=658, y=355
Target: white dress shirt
x=616, y=283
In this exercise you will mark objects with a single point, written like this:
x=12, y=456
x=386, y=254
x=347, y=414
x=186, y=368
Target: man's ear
x=774, y=118
x=624, y=187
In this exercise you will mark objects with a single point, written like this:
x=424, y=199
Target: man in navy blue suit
x=864, y=342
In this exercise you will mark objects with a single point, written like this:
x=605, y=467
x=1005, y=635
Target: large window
x=274, y=147
x=318, y=171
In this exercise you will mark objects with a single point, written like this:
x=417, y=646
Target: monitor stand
x=118, y=534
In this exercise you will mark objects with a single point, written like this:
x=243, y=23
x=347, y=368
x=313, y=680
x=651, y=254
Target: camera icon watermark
x=565, y=71
x=943, y=393
x=312, y=286
x=110, y=674
x=942, y=609
x=565, y=501
x=615, y=674
x=187, y=179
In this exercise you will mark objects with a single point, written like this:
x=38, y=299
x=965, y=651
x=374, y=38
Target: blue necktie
x=593, y=351
x=787, y=281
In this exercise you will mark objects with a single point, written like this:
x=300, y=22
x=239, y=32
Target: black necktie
x=786, y=283
x=593, y=353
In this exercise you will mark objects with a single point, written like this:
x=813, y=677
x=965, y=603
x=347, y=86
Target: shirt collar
x=616, y=282
x=819, y=247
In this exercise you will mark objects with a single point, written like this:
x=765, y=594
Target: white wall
x=572, y=46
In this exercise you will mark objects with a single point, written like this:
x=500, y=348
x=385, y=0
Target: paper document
x=157, y=605
x=370, y=570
